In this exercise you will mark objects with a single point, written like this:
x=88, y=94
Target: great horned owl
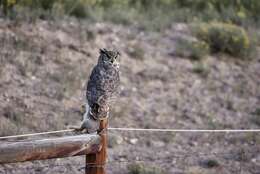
x=101, y=88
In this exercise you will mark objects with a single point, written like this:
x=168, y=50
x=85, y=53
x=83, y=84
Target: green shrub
x=119, y=16
x=226, y=38
x=77, y=9
x=235, y=11
x=81, y=8
x=148, y=14
x=138, y=168
x=256, y=116
x=201, y=69
x=256, y=35
x=194, y=49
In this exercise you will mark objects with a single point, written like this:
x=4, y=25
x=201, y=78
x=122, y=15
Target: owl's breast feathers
x=103, y=84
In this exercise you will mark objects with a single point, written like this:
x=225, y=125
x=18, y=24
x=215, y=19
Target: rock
x=33, y=77
x=133, y=141
x=158, y=143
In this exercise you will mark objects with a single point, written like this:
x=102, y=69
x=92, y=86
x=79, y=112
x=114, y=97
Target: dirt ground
x=44, y=67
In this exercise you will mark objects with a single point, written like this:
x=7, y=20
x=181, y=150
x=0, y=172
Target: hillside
x=44, y=67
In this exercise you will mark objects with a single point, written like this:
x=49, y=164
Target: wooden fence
x=93, y=146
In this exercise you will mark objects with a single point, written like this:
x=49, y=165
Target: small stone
x=133, y=141
x=158, y=143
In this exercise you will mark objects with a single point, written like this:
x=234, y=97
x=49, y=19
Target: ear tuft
x=102, y=51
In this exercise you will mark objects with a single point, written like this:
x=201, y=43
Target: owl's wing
x=102, y=85
x=93, y=86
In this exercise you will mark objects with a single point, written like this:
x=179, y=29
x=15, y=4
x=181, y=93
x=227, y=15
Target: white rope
x=185, y=130
x=34, y=134
x=144, y=130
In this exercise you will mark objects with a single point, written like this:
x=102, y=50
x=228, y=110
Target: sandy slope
x=42, y=75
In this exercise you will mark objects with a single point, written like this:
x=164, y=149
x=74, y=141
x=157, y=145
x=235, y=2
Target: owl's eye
x=107, y=57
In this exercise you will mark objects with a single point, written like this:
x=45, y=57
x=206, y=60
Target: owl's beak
x=113, y=60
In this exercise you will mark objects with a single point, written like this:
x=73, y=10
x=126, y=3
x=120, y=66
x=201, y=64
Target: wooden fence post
x=95, y=163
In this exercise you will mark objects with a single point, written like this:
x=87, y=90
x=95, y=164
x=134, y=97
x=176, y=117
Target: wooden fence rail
x=91, y=145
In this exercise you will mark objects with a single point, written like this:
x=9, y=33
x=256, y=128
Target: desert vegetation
x=162, y=12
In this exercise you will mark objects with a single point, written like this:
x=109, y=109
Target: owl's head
x=110, y=57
